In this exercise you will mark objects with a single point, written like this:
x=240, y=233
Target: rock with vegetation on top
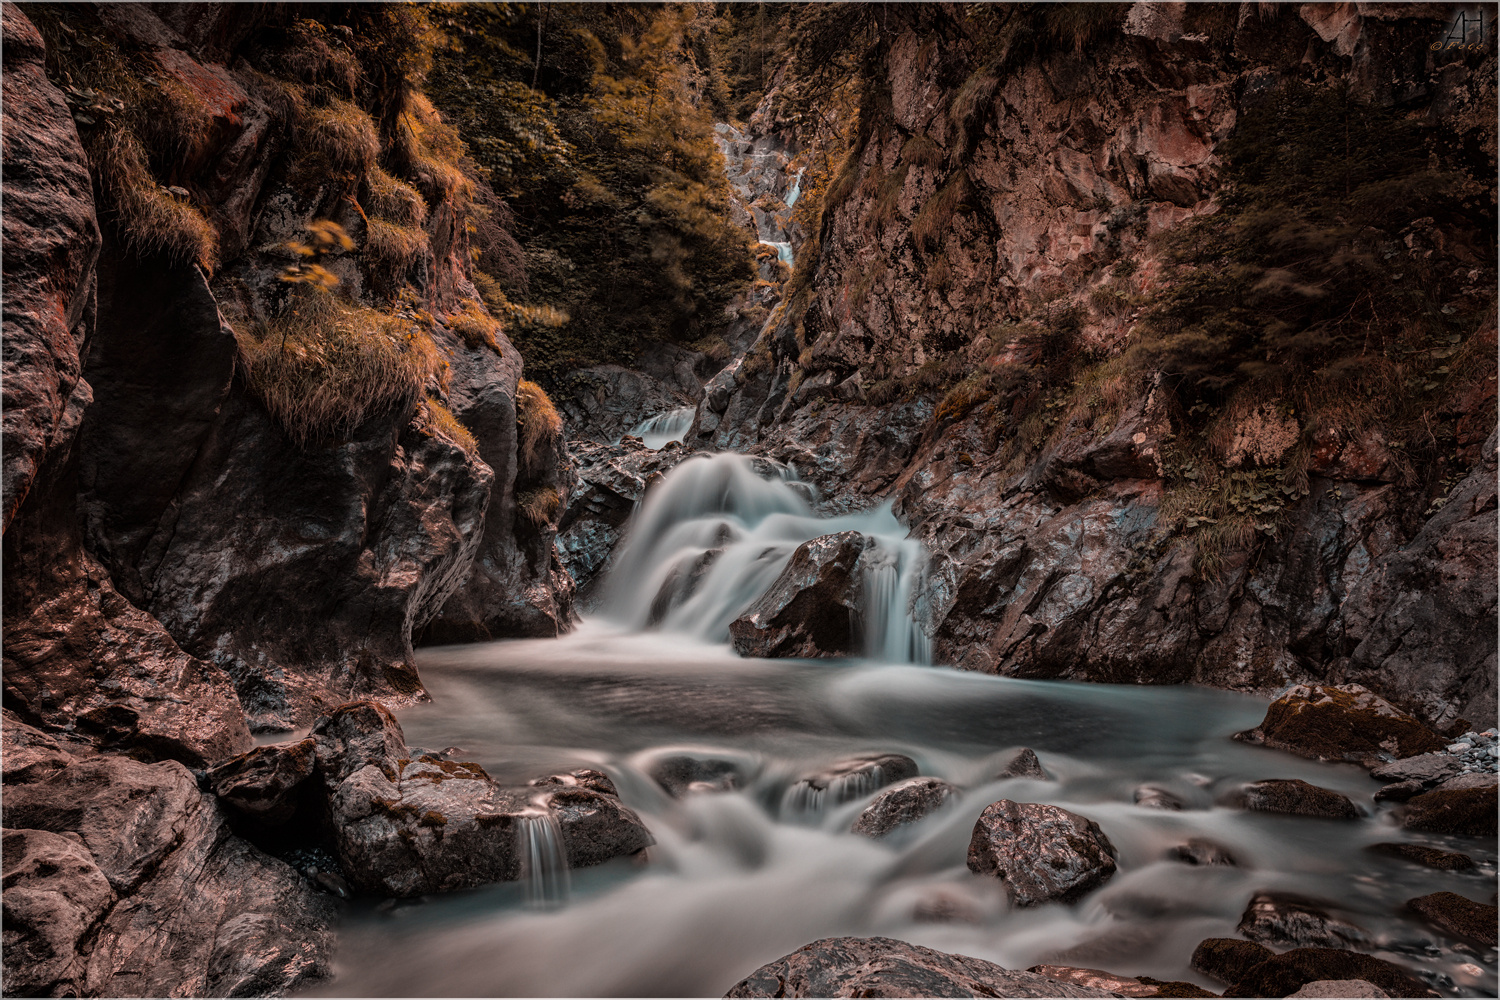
x=1042, y=853
x=1458, y=916
x=1290, y=921
x=1347, y=722
x=902, y=803
x=1294, y=797
x=1284, y=974
x=1468, y=812
x=813, y=607
x=884, y=967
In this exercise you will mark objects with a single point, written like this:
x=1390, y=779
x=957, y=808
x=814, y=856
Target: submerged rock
x=1156, y=797
x=1284, y=974
x=1043, y=853
x=1430, y=857
x=1458, y=916
x=813, y=607
x=1294, y=797
x=683, y=774
x=1198, y=851
x=1347, y=722
x=1466, y=811
x=884, y=967
x=903, y=803
x=1286, y=920
x=1024, y=765
x=1228, y=959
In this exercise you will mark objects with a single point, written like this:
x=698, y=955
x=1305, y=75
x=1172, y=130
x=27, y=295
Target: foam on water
x=656, y=432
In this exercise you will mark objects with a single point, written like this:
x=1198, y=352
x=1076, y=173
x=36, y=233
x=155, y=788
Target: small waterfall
x=796, y=191
x=806, y=799
x=544, y=861
x=663, y=428
x=890, y=581
x=783, y=251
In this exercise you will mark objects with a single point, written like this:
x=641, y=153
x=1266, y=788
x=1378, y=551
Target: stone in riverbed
x=1024, y=765
x=1174, y=988
x=1427, y=768
x=848, y=780
x=1458, y=916
x=1042, y=852
x=1399, y=791
x=1466, y=811
x=1228, y=959
x=1198, y=851
x=683, y=774
x=903, y=803
x=1294, y=797
x=1156, y=797
x=884, y=967
x=1097, y=979
x=1430, y=857
x=1345, y=722
x=1284, y=974
x=1341, y=988
x=811, y=609
x=1286, y=920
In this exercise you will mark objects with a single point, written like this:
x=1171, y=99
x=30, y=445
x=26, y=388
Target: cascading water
x=544, y=861
x=716, y=534
x=658, y=431
x=796, y=191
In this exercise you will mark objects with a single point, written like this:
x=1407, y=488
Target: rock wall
x=1052, y=170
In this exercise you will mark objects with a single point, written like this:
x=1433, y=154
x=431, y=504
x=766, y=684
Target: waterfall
x=718, y=530
x=796, y=191
x=806, y=799
x=544, y=861
x=663, y=428
x=783, y=250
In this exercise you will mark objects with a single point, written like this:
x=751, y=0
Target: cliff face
x=968, y=336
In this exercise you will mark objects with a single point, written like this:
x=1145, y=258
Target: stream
x=740, y=877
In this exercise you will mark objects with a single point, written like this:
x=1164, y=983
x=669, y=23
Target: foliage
x=539, y=506
x=540, y=424
x=441, y=421
x=476, y=327
x=150, y=218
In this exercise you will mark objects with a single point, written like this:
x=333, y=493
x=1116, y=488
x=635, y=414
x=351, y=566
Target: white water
x=795, y=192
x=715, y=535
x=544, y=863
x=783, y=250
x=656, y=432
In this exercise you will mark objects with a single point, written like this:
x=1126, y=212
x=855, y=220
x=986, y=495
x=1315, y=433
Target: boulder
x=682, y=774
x=1288, y=921
x=1294, y=797
x=883, y=967
x=813, y=607
x=1198, y=851
x=902, y=803
x=1427, y=768
x=1042, y=853
x=1228, y=959
x=54, y=894
x=1399, y=791
x=585, y=777
x=1124, y=986
x=1174, y=988
x=1347, y=722
x=1466, y=811
x=1023, y=765
x=1430, y=857
x=1284, y=974
x=263, y=786
x=1340, y=988
x=848, y=780
x=1458, y=916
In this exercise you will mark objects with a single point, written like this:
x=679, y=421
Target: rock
x=1228, y=959
x=1347, y=722
x=605, y=402
x=1461, y=782
x=681, y=775
x=1024, y=765
x=587, y=777
x=883, y=967
x=1202, y=852
x=1458, y=916
x=262, y=786
x=1284, y=974
x=1175, y=988
x=1290, y=921
x=1340, y=988
x=1156, y=797
x=902, y=803
x=811, y=609
x=1095, y=979
x=1427, y=768
x=54, y=894
x=1042, y=853
x=848, y=780
x=1400, y=791
x=1469, y=812
x=1430, y=857
x=946, y=908
x=1295, y=797
x=595, y=826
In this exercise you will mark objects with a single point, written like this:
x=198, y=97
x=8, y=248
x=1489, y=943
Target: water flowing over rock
x=1458, y=916
x=1041, y=852
x=1290, y=921
x=1428, y=857
x=846, y=781
x=862, y=967
x=1198, y=851
x=903, y=803
x=1024, y=765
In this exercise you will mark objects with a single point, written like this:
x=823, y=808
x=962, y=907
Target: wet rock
x=54, y=894
x=1430, y=857
x=1042, y=852
x=682, y=775
x=586, y=777
x=1228, y=959
x=1458, y=916
x=1347, y=722
x=1198, y=851
x=883, y=967
x=1427, y=768
x=1175, y=988
x=1024, y=765
x=1284, y=974
x=595, y=826
x=849, y=780
x=263, y=785
x=1399, y=791
x=1097, y=979
x=812, y=608
x=604, y=402
x=1340, y=988
x=1469, y=812
x=1294, y=797
x=902, y=803
x=1156, y=797
x=1290, y=921
x=946, y=908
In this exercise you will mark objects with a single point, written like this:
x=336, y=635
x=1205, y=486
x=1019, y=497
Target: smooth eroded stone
x=1430, y=857
x=1344, y=722
x=1043, y=853
x=1198, y=851
x=1466, y=811
x=1284, y=974
x=849, y=780
x=1426, y=768
x=1124, y=986
x=883, y=967
x=1024, y=765
x=1289, y=921
x=1294, y=797
x=1458, y=916
x=1228, y=959
x=902, y=803
x=1341, y=988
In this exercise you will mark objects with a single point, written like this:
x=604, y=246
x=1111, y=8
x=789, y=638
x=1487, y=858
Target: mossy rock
x=1284, y=974
x=1347, y=722
x=1458, y=916
x=1228, y=959
x=1174, y=988
x=1294, y=797
x=1469, y=812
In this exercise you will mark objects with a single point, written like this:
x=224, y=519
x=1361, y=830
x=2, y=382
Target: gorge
x=869, y=499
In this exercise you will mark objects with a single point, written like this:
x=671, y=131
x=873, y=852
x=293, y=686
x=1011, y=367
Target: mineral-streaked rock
x=903, y=803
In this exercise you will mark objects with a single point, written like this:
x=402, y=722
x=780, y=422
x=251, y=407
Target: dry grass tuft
x=923, y=151
x=343, y=134
x=539, y=421
x=539, y=506
x=325, y=365
x=442, y=422
x=428, y=150
x=477, y=327
x=151, y=219
x=392, y=249
x=932, y=221
x=393, y=199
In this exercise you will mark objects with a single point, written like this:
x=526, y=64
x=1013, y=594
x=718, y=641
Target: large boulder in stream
x=1346, y=722
x=884, y=967
x=1294, y=797
x=1468, y=811
x=813, y=608
x=1458, y=916
x=1042, y=853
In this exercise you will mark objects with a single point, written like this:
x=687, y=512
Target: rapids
x=738, y=878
